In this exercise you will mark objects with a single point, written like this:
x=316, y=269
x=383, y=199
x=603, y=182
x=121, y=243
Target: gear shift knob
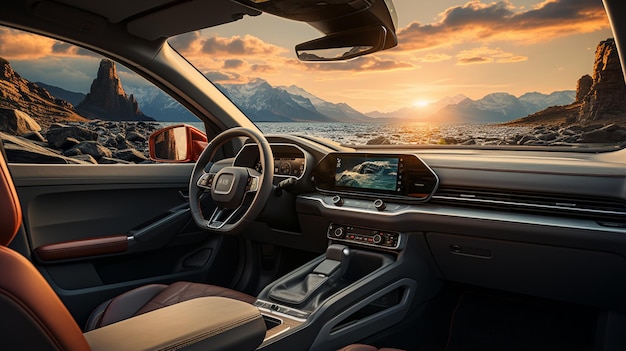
x=336, y=262
x=338, y=252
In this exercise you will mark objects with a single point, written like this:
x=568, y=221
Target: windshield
x=520, y=72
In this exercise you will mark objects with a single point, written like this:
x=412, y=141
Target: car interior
x=239, y=240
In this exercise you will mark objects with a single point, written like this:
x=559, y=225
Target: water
x=396, y=133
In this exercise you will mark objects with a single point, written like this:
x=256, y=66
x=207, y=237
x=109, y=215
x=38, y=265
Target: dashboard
x=505, y=219
x=289, y=160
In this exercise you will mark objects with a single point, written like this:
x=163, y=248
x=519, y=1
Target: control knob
x=337, y=200
x=377, y=238
x=338, y=232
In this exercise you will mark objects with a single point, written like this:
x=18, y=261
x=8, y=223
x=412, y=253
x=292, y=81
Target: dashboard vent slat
x=597, y=208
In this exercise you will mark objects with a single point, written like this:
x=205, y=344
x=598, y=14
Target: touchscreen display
x=375, y=173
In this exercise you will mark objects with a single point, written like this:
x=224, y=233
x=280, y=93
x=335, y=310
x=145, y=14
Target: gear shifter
x=296, y=291
x=336, y=263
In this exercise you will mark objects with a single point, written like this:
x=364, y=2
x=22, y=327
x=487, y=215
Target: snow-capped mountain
x=264, y=103
x=338, y=112
x=155, y=103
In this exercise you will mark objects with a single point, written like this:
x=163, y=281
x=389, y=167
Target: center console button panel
x=364, y=236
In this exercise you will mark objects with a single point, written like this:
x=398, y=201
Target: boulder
x=131, y=155
x=58, y=136
x=20, y=150
x=381, y=140
x=92, y=148
x=16, y=122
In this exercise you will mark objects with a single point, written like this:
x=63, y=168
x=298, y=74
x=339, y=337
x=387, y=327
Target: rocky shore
x=95, y=142
x=541, y=135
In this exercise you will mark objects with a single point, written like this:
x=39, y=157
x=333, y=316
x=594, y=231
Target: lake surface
x=397, y=133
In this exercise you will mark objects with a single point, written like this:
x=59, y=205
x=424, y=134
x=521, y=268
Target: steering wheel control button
x=364, y=236
x=205, y=181
x=337, y=200
x=380, y=205
x=252, y=184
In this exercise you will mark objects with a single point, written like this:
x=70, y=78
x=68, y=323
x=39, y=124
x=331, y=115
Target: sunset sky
x=446, y=48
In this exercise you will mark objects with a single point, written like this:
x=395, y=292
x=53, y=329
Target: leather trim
x=22, y=283
x=128, y=304
x=83, y=248
x=183, y=291
x=10, y=210
x=206, y=323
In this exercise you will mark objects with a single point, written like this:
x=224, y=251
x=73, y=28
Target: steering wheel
x=239, y=193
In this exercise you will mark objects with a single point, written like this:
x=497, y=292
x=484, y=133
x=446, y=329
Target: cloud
x=259, y=68
x=485, y=54
x=237, y=45
x=501, y=21
x=222, y=76
x=434, y=58
x=360, y=64
x=233, y=63
x=15, y=44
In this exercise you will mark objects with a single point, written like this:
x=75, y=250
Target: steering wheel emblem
x=224, y=184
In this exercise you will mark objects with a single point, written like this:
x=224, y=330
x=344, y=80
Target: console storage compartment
x=206, y=323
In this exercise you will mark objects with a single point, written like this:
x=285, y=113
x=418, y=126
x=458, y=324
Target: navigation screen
x=375, y=173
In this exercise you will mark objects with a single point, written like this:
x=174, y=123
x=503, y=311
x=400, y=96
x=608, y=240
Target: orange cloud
x=233, y=63
x=487, y=55
x=259, y=68
x=501, y=21
x=246, y=45
x=359, y=64
x=21, y=45
x=434, y=58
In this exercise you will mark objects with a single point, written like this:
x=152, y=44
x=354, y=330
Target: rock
x=34, y=136
x=134, y=136
x=607, y=95
x=58, y=136
x=16, y=122
x=20, y=150
x=92, y=148
x=86, y=158
x=583, y=87
x=72, y=152
x=381, y=140
x=20, y=94
x=548, y=136
x=130, y=155
x=525, y=139
x=107, y=99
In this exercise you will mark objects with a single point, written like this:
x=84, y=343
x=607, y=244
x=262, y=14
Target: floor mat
x=486, y=323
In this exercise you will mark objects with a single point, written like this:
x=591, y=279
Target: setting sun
x=421, y=103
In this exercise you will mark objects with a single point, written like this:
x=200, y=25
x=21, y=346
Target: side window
x=63, y=104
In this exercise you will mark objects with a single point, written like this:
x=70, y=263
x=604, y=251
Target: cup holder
x=271, y=322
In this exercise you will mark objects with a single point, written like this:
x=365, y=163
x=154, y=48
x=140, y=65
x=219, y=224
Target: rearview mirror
x=343, y=45
x=178, y=143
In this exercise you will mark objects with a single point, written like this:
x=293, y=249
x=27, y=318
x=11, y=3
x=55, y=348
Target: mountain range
x=263, y=102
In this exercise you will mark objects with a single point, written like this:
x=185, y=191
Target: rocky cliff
x=600, y=97
x=17, y=93
x=107, y=99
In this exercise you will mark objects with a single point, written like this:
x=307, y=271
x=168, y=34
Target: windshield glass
x=520, y=72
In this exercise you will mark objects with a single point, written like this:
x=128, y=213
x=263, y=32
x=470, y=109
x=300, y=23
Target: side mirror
x=178, y=143
x=343, y=45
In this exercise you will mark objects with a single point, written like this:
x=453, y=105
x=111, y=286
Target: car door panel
x=97, y=231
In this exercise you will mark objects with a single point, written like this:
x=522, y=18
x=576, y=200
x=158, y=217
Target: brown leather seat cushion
x=151, y=297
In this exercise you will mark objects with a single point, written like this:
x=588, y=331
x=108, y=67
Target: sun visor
x=187, y=17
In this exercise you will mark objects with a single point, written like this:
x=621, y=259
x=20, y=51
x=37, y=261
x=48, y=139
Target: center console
x=360, y=285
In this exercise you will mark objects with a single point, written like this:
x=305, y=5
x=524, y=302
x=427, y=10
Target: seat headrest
x=10, y=210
